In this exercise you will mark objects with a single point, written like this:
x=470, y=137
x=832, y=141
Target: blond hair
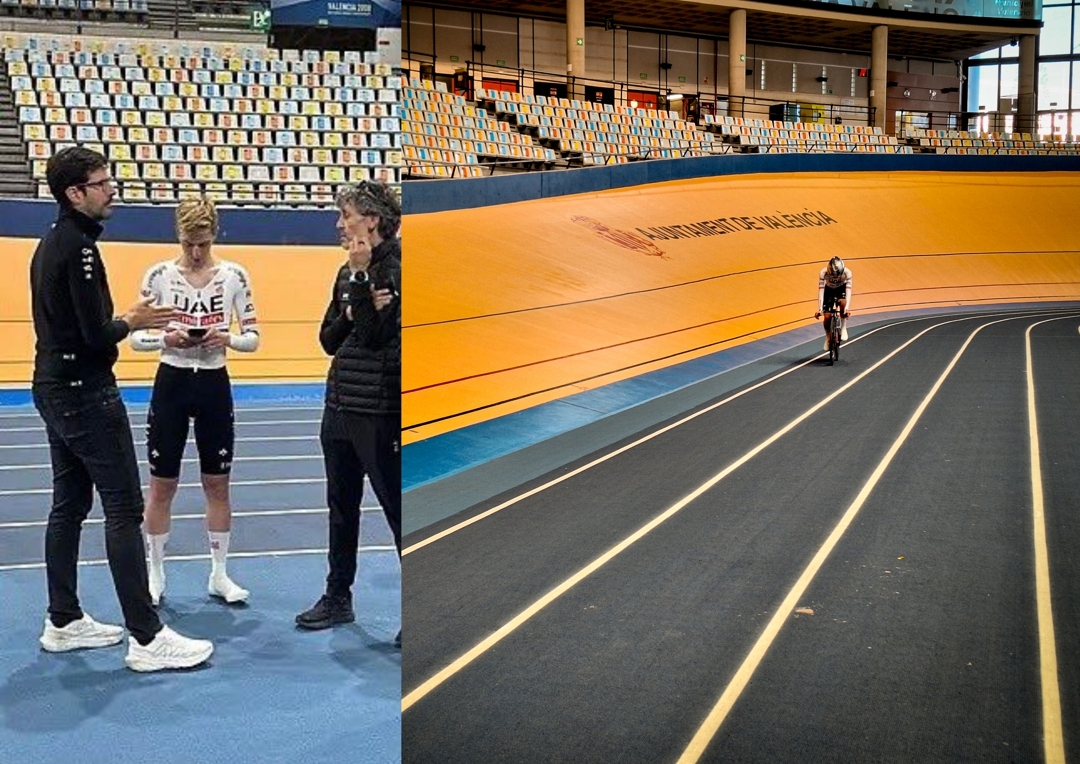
x=196, y=214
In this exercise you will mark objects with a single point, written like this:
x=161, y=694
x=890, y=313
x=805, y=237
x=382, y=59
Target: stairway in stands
x=15, y=180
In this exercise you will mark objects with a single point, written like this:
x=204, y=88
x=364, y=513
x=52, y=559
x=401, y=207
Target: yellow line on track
x=708, y=729
x=1053, y=738
x=510, y=626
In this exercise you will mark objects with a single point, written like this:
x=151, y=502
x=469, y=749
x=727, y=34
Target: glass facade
x=990, y=9
x=992, y=76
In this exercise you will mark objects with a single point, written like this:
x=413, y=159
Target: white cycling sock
x=219, y=552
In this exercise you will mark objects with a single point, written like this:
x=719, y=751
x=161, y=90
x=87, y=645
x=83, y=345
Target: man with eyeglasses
x=90, y=442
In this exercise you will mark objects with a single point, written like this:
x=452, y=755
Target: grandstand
x=567, y=85
x=242, y=123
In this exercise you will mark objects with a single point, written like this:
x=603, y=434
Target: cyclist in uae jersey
x=192, y=383
x=834, y=282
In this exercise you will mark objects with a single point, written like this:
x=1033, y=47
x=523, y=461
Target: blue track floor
x=271, y=693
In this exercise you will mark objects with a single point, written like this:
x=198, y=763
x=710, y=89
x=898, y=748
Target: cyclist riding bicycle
x=834, y=284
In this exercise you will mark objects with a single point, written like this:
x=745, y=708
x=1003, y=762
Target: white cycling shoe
x=225, y=588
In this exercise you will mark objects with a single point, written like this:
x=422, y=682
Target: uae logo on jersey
x=635, y=242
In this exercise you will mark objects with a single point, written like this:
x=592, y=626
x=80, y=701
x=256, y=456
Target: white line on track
x=1053, y=736
x=20, y=524
x=191, y=557
x=234, y=483
x=141, y=443
x=140, y=409
x=514, y=623
x=279, y=458
x=136, y=425
x=708, y=729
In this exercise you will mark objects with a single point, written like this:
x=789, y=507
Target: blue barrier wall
x=466, y=193
x=145, y=223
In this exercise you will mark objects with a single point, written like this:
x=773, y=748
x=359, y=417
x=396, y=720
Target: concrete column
x=879, y=64
x=1025, y=102
x=575, y=31
x=736, y=62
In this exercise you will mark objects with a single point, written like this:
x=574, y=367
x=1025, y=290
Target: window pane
x=1076, y=85
x=1054, y=86
x=982, y=88
x=1010, y=80
x=988, y=54
x=1057, y=31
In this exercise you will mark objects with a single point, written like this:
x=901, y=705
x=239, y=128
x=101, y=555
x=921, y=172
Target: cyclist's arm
x=821, y=292
x=847, y=293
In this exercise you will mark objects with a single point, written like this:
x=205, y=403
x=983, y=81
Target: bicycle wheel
x=834, y=339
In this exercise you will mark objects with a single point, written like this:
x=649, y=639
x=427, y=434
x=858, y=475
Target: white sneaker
x=826, y=347
x=156, y=580
x=843, y=334
x=222, y=586
x=168, y=650
x=83, y=633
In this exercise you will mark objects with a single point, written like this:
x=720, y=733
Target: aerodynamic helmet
x=836, y=266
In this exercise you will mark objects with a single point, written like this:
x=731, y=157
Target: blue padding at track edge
x=302, y=392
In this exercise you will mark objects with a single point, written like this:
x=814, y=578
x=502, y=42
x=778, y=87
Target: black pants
x=90, y=445
x=354, y=445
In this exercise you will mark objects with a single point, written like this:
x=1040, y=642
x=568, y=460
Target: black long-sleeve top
x=73, y=310
x=365, y=373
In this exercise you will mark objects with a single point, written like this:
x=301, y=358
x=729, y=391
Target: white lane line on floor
x=143, y=463
x=190, y=557
x=21, y=524
x=234, y=483
x=140, y=409
x=512, y=625
x=142, y=443
x=136, y=425
x=1053, y=736
x=510, y=502
x=742, y=676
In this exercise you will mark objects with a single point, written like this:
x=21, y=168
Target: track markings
x=191, y=557
x=510, y=502
x=142, y=443
x=136, y=425
x=232, y=484
x=1053, y=736
x=20, y=524
x=707, y=731
x=513, y=624
x=143, y=463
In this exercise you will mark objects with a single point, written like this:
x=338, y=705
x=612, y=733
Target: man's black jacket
x=73, y=310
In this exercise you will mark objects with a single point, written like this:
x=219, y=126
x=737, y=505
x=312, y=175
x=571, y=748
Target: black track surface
x=923, y=643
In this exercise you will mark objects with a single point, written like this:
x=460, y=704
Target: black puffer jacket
x=365, y=375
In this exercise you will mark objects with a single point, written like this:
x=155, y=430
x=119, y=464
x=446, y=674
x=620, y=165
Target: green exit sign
x=682, y=79
x=260, y=20
x=500, y=62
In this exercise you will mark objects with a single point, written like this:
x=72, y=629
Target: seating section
x=103, y=10
x=762, y=135
x=973, y=142
x=443, y=136
x=599, y=133
x=242, y=123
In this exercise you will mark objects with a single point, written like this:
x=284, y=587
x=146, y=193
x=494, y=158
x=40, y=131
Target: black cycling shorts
x=832, y=293
x=180, y=395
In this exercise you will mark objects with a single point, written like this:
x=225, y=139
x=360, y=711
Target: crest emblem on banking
x=635, y=242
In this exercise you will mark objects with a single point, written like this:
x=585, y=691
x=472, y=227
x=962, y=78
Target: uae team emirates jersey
x=226, y=299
